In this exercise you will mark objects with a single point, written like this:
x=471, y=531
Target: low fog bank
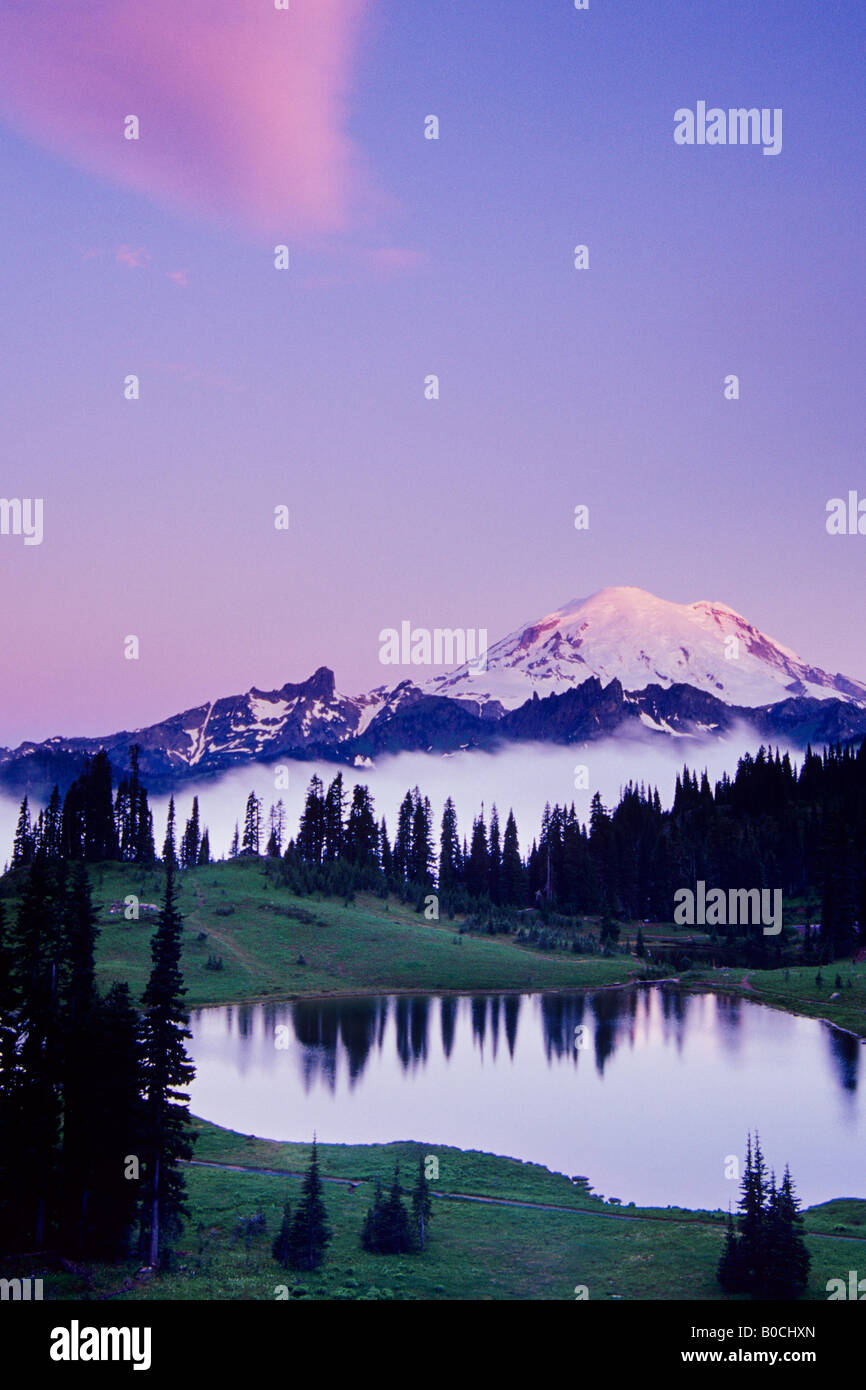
x=521, y=777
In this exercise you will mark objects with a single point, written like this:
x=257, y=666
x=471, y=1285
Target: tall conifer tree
x=40, y=971
x=449, y=850
x=512, y=876
x=169, y=851
x=166, y=1070
x=310, y=1231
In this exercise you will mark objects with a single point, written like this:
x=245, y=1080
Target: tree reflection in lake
x=602, y=1082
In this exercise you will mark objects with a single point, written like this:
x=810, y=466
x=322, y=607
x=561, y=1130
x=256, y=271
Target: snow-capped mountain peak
x=629, y=635
x=619, y=662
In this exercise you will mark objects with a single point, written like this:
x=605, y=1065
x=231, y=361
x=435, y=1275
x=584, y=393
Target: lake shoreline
x=270, y=945
x=526, y=1232
x=686, y=986
x=469, y=991
x=346, y=1162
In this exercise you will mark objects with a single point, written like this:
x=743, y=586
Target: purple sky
x=411, y=257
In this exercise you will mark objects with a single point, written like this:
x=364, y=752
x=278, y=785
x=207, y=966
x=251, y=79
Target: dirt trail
x=492, y=1201
x=227, y=945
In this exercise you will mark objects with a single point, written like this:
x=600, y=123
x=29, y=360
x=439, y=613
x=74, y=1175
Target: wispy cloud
x=133, y=256
x=242, y=107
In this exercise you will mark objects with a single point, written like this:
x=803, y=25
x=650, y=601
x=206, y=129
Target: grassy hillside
x=476, y=1250
x=798, y=991
x=537, y=1235
x=272, y=942
x=803, y=989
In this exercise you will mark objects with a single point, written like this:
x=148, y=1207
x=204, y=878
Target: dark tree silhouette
x=166, y=1071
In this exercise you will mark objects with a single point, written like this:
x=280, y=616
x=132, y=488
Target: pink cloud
x=132, y=256
x=179, y=277
x=242, y=107
x=397, y=258
x=357, y=263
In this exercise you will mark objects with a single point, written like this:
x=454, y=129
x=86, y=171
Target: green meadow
x=273, y=943
x=561, y=1237
x=536, y=1234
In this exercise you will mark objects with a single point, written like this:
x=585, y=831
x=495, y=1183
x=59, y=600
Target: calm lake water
x=662, y=1089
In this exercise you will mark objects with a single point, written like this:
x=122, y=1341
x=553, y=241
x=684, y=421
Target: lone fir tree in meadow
x=765, y=1254
x=310, y=1232
x=166, y=1070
